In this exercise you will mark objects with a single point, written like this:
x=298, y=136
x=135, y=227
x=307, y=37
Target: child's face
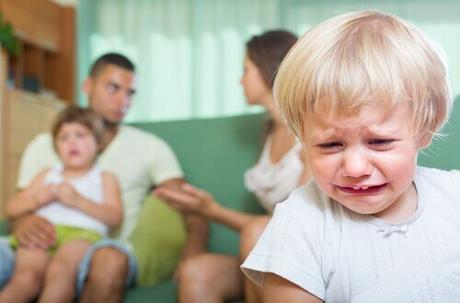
x=366, y=162
x=76, y=145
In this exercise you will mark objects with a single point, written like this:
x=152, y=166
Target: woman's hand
x=188, y=199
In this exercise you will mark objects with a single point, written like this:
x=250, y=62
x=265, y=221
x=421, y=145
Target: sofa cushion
x=165, y=292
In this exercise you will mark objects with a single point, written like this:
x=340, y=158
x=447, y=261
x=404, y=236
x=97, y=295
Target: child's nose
x=356, y=164
x=72, y=141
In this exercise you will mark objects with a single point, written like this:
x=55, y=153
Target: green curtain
x=189, y=53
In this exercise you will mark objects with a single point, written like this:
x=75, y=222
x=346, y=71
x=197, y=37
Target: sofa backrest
x=444, y=152
x=214, y=154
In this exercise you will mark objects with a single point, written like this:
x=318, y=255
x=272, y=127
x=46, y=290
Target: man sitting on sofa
x=138, y=159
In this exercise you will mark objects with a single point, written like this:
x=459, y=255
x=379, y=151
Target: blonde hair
x=362, y=59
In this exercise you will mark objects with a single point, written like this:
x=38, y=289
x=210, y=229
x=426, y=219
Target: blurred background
x=189, y=53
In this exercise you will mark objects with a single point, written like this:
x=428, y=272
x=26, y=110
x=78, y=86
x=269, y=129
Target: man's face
x=110, y=92
x=366, y=162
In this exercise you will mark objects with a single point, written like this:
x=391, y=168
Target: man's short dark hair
x=111, y=58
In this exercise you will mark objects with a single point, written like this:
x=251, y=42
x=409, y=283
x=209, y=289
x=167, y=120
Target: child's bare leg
x=210, y=278
x=61, y=275
x=28, y=275
x=249, y=236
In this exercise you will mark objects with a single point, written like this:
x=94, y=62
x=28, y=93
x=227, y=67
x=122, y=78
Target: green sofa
x=215, y=153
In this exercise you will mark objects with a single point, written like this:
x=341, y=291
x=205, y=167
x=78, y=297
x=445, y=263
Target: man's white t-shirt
x=341, y=256
x=138, y=159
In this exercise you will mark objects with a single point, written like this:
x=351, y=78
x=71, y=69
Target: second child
x=365, y=92
x=82, y=201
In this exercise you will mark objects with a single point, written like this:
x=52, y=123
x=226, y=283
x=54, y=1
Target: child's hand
x=67, y=195
x=45, y=194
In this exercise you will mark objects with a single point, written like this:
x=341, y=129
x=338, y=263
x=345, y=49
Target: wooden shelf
x=46, y=60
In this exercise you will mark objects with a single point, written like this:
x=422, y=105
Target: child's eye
x=330, y=145
x=62, y=138
x=380, y=142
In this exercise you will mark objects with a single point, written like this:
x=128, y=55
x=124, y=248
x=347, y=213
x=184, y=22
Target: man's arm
x=196, y=226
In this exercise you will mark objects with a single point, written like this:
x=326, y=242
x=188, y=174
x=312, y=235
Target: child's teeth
x=358, y=187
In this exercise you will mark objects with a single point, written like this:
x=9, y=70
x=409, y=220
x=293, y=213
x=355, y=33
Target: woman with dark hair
x=280, y=168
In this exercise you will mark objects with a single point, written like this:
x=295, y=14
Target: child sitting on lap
x=364, y=92
x=82, y=202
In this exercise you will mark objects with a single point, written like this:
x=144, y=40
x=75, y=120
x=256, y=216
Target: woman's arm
x=197, y=201
x=110, y=211
x=31, y=198
x=196, y=226
x=277, y=289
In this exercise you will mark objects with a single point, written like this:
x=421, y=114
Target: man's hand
x=33, y=231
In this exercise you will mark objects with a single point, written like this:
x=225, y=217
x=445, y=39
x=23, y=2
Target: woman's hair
x=363, y=59
x=267, y=50
x=83, y=116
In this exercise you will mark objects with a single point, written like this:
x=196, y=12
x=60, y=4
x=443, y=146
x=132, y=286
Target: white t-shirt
x=273, y=182
x=90, y=186
x=340, y=256
x=137, y=158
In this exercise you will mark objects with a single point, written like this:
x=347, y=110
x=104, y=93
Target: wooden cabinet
x=47, y=54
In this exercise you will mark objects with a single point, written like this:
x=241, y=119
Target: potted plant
x=7, y=38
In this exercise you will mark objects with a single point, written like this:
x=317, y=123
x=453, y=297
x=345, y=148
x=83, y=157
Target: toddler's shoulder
x=439, y=185
x=308, y=201
x=438, y=177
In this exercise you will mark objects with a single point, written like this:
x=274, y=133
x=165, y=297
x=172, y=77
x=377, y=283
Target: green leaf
x=7, y=38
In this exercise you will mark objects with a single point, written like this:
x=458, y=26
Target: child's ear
x=424, y=140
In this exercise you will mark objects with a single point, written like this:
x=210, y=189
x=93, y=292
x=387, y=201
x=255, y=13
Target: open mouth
x=363, y=189
x=74, y=153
